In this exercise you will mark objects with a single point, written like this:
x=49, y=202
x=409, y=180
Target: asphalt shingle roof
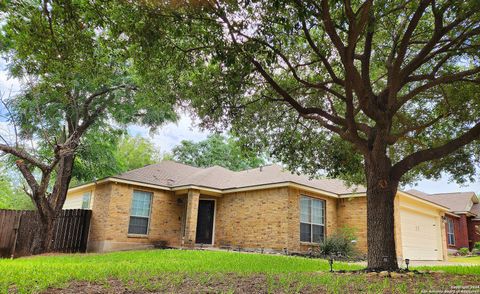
x=456, y=202
x=173, y=174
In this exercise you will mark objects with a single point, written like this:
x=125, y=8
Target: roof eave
x=441, y=207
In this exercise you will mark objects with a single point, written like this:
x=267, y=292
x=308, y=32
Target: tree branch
x=414, y=159
x=322, y=57
x=392, y=139
x=22, y=154
x=438, y=81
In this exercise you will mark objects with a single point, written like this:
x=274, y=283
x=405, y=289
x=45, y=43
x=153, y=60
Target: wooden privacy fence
x=18, y=227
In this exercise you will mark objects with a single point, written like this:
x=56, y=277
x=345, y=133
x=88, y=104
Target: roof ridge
x=181, y=163
x=460, y=192
x=261, y=166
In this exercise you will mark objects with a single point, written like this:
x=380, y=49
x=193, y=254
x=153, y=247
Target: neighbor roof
x=456, y=202
x=173, y=174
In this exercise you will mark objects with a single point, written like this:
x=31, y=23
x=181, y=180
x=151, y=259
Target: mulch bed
x=259, y=284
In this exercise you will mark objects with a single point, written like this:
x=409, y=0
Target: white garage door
x=420, y=235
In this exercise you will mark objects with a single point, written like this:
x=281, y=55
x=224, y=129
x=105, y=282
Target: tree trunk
x=381, y=191
x=42, y=240
x=50, y=209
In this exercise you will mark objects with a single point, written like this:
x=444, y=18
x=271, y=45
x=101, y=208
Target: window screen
x=312, y=220
x=140, y=213
x=86, y=200
x=450, y=231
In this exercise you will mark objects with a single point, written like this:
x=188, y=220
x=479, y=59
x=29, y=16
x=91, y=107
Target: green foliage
x=78, y=62
x=229, y=90
x=339, y=244
x=108, y=153
x=73, y=52
x=136, y=152
x=217, y=150
x=11, y=195
x=477, y=245
x=463, y=251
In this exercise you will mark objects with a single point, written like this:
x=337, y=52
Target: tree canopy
x=79, y=80
x=106, y=155
x=217, y=150
x=381, y=92
x=288, y=62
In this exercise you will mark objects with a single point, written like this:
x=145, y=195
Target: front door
x=206, y=213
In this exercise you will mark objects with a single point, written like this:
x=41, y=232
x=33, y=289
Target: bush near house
x=340, y=244
x=463, y=251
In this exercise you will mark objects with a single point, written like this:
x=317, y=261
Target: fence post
x=16, y=228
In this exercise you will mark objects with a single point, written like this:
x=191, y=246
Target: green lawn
x=463, y=259
x=171, y=270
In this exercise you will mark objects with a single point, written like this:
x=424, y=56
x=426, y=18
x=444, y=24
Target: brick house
x=267, y=207
x=462, y=220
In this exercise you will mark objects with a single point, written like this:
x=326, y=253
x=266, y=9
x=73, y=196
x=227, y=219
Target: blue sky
x=171, y=134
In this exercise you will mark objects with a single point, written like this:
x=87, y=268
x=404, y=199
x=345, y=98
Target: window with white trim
x=86, y=198
x=140, y=213
x=450, y=231
x=312, y=220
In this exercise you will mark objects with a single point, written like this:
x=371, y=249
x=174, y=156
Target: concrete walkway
x=414, y=263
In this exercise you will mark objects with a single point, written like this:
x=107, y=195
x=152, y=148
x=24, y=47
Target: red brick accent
x=462, y=237
x=460, y=231
x=473, y=231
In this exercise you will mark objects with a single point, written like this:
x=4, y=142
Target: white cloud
x=443, y=186
x=7, y=83
x=171, y=134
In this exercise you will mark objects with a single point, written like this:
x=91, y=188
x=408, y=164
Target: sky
x=185, y=128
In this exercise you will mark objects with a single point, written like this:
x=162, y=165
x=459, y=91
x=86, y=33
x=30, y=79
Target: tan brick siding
x=253, y=219
x=268, y=218
x=330, y=217
x=111, y=215
x=352, y=213
x=191, y=215
x=100, y=217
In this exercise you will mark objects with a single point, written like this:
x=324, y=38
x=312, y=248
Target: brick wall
x=330, y=216
x=461, y=232
x=100, y=212
x=473, y=231
x=352, y=213
x=111, y=215
x=267, y=218
x=253, y=219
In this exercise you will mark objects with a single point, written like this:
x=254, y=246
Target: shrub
x=339, y=243
x=463, y=251
x=477, y=245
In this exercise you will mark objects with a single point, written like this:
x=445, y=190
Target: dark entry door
x=206, y=213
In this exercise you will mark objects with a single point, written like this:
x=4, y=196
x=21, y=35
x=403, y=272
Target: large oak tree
x=388, y=90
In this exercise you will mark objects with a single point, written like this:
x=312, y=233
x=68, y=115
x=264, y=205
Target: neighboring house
x=463, y=219
x=266, y=207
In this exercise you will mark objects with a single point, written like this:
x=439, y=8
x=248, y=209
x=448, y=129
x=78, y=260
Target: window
x=450, y=231
x=140, y=213
x=86, y=198
x=312, y=220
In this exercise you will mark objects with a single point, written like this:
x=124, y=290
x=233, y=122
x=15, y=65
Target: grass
x=464, y=259
x=164, y=269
